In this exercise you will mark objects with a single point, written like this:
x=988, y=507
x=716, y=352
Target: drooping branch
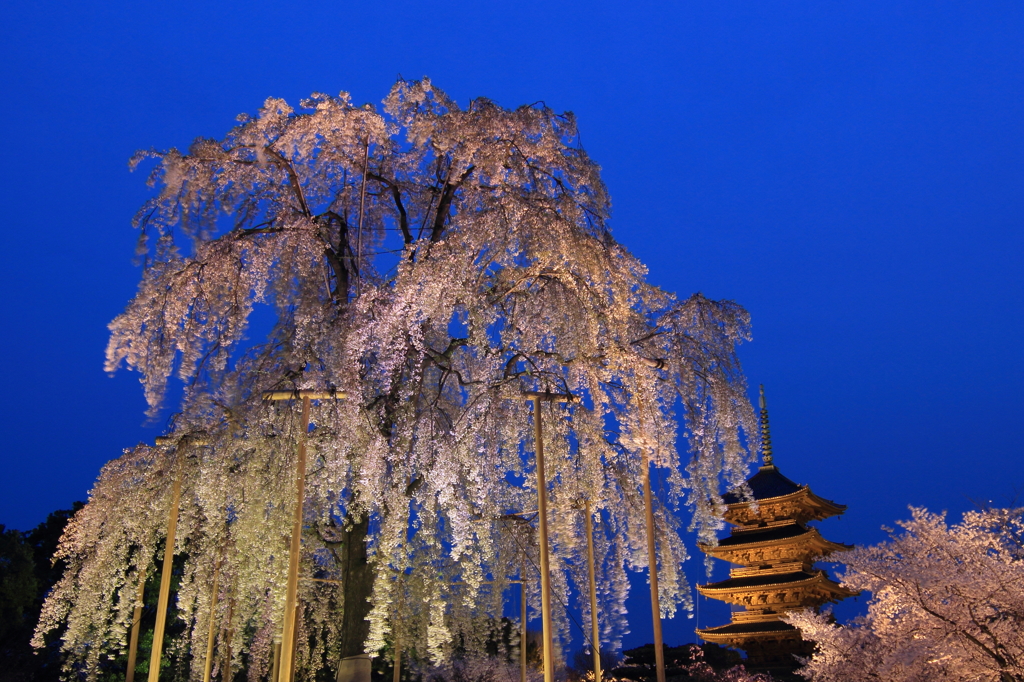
x=529, y=292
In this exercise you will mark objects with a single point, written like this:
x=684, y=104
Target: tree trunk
x=357, y=579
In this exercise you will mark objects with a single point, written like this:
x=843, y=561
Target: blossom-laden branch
x=946, y=603
x=473, y=265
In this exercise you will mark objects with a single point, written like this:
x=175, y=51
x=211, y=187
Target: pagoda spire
x=766, y=434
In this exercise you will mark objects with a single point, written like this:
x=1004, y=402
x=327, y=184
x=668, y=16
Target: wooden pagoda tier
x=783, y=587
x=784, y=542
x=775, y=551
x=778, y=500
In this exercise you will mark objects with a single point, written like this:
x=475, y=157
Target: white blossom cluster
x=464, y=262
x=947, y=604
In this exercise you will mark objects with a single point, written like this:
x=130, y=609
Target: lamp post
x=287, y=659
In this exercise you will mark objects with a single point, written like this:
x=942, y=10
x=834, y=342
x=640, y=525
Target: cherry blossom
x=946, y=604
x=431, y=264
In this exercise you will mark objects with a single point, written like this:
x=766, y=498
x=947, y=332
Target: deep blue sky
x=850, y=172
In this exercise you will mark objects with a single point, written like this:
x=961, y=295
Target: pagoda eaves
x=773, y=497
x=776, y=543
x=779, y=588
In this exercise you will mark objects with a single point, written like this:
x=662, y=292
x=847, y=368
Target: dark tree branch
x=292, y=177
x=445, y=204
x=396, y=194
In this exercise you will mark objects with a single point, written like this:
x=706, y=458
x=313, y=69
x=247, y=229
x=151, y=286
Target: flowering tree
x=430, y=263
x=687, y=662
x=947, y=604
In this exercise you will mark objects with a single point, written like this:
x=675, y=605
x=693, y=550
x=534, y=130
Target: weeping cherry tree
x=430, y=264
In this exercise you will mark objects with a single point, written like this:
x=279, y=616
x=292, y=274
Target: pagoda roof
x=748, y=628
x=767, y=483
x=743, y=634
x=783, y=532
x=772, y=581
x=773, y=496
x=733, y=547
x=764, y=580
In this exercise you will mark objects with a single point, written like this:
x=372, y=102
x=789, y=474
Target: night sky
x=851, y=173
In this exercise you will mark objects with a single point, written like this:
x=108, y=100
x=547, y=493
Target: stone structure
x=775, y=550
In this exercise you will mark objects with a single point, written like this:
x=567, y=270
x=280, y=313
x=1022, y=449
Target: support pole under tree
x=286, y=667
x=396, y=619
x=542, y=513
x=165, y=571
x=545, y=569
x=133, y=643
x=290, y=604
x=398, y=658
x=225, y=672
x=276, y=665
x=595, y=636
x=211, y=629
x=522, y=623
x=295, y=630
x=652, y=560
x=165, y=582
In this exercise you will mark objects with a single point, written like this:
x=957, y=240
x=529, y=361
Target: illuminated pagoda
x=775, y=550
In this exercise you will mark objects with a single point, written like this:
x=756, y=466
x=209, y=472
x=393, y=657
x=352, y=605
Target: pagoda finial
x=766, y=434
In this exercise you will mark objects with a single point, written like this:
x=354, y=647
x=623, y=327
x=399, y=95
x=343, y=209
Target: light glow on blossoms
x=946, y=604
x=479, y=267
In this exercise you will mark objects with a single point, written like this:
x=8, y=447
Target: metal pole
x=545, y=569
x=652, y=560
x=165, y=583
x=211, y=630
x=133, y=645
x=595, y=637
x=291, y=600
x=522, y=623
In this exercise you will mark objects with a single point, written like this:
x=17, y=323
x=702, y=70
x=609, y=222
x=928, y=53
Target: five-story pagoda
x=776, y=550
